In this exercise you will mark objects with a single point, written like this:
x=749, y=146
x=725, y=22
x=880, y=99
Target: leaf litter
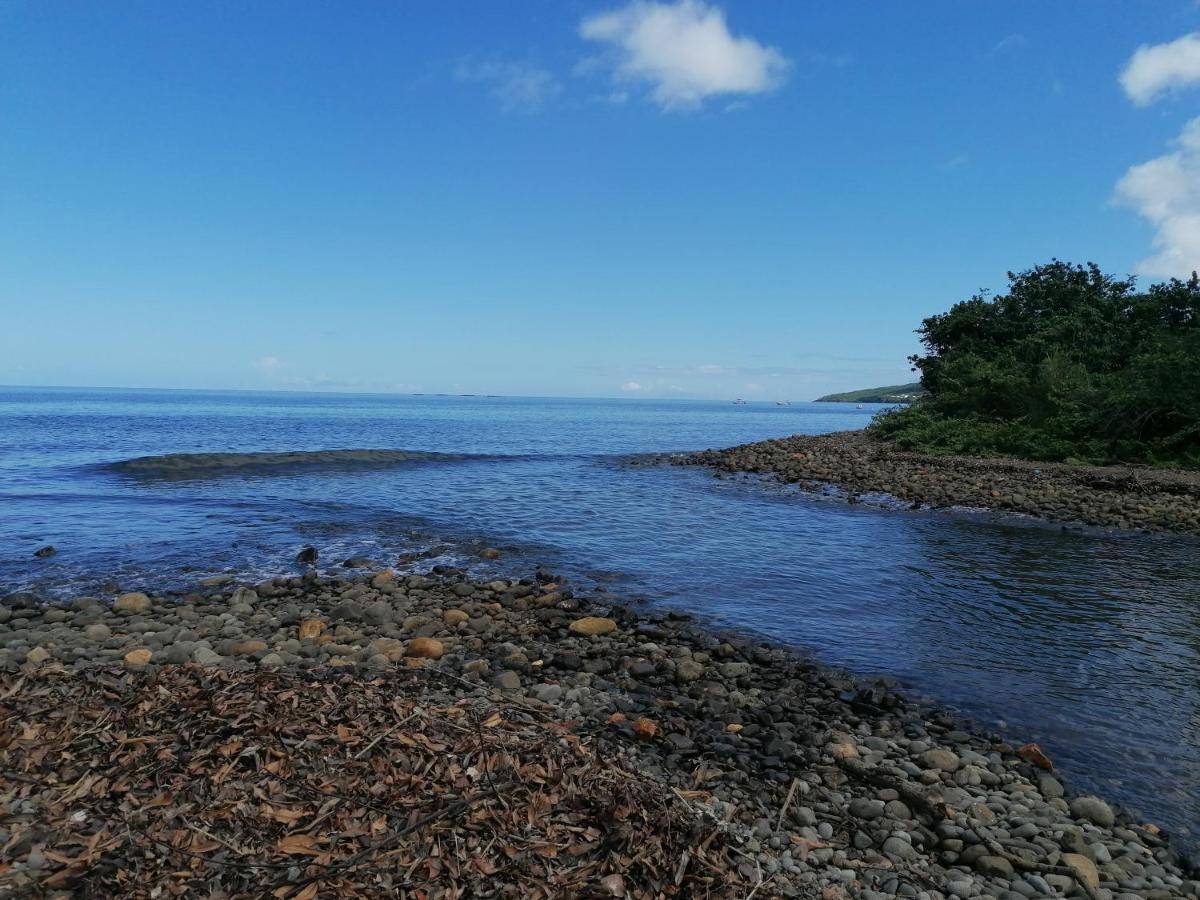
x=298, y=785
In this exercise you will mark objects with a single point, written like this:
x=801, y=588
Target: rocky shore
x=751, y=771
x=1105, y=496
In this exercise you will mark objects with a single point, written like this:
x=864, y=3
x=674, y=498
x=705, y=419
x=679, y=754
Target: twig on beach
x=787, y=802
x=367, y=749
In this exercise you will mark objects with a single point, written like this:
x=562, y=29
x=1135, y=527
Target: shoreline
x=821, y=785
x=1099, y=496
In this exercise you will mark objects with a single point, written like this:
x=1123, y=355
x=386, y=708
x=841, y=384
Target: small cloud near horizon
x=682, y=52
x=268, y=363
x=517, y=87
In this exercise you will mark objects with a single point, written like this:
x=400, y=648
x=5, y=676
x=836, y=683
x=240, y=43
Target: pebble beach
x=800, y=780
x=1102, y=496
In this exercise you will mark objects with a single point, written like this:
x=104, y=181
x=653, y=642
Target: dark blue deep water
x=1086, y=642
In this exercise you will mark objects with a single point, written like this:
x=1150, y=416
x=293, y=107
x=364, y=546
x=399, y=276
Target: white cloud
x=1166, y=191
x=1010, y=42
x=516, y=87
x=683, y=51
x=269, y=363
x=1154, y=69
x=631, y=387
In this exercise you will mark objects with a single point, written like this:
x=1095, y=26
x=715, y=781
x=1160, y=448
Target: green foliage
x=1070, y=364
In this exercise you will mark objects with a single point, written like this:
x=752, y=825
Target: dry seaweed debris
x=297, y=785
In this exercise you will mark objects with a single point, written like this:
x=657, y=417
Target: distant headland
x=894, y=393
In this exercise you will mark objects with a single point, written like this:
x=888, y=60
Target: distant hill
x=895, y=393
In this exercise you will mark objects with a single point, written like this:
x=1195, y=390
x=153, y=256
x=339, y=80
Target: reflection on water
x=1086, y=642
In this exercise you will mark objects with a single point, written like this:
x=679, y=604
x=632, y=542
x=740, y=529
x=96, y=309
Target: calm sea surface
x=1086, y=642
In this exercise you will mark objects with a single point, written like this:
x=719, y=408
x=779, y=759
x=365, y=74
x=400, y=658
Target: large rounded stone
x=1094, y=810
x=938, y=758
x=424, y=648
x=138, y=657
x=98, y=632
x=135, y=602
x=688, y=670
x=994, y=867
x=592, y=625
x=454, y=616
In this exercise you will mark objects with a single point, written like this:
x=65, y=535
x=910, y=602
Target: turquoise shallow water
x=1086, y=642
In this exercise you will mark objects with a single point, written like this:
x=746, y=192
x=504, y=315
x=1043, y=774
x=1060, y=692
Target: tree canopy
x=1069, y=364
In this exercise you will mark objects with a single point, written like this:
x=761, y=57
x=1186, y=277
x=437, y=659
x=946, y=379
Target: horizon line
x=318, y=392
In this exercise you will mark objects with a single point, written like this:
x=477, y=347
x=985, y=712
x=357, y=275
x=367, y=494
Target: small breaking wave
x=214, y=463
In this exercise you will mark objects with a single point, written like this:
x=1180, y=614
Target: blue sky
x=565, y=198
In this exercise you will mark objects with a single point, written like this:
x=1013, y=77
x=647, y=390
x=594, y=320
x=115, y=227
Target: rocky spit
x=1104, y=496
x=829, y=787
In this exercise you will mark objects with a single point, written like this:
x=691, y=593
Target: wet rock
x=1050, y=787
x=307, y=555
x=593, y=625
x=43, y=552
x=1094, y=810
x=135, y=602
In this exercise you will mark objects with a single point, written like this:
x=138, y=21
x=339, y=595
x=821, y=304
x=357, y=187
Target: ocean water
x=1087, y=642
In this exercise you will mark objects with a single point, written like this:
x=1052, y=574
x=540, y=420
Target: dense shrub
x=1070, y=364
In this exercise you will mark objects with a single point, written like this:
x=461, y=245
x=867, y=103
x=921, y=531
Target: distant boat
x=739, y=402
x=783, y=402
x=860, y=406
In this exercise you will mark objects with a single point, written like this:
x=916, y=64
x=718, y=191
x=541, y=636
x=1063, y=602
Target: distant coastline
x=894, y=393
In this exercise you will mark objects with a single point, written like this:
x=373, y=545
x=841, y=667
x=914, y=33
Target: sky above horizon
x=561, y=198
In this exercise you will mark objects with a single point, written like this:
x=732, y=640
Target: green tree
x=1070, y=363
